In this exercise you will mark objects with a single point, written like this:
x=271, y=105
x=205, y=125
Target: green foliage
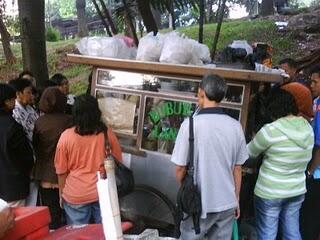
x=78, y=87
x=52, y=34
x=12, y=24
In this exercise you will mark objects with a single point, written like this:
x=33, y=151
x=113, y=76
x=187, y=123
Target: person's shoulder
x=69, y=132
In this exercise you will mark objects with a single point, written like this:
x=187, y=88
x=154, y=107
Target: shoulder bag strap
x=191, y=147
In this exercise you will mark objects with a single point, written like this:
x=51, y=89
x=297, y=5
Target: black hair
x=214, y=87
x=26, y=72
x=49, y=83
x=6, y=93
x=282, y=104
x=19, y=84
x=58, y=78
x=291, y=63
x=315, y=70
x=87, y=116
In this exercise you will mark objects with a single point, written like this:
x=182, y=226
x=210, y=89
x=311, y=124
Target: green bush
x=52, y=34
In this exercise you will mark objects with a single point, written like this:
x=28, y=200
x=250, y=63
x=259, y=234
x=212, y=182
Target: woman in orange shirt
x=80, y=152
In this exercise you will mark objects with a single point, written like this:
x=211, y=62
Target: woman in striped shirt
x=286, y=145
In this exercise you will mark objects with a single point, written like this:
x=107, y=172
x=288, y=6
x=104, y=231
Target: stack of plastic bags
x=167, y=48
x=172, y=48
x=109, y=47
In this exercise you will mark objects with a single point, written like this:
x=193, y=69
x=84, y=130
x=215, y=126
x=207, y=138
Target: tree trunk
x=267, y=8
x=147, y=17
x=210, y=12
x=82, y=18
x=216, y=37
x=130, y=23
x=157, y=17
x=33, y=41
x=218, y=11
x=172, y=18
x=109, y=18
x=102, y=17
x=5, y=39
x=201, y=19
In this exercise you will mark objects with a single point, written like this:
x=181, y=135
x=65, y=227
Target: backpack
x=189, y=198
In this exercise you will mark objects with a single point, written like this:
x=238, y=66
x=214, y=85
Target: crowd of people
x=282, y=140
x=52, y=145
x=51, y=148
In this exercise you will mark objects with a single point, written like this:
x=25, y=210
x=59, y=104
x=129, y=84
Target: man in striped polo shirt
x=286, y=145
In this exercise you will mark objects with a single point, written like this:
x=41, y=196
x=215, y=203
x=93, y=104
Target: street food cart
x=145, y=103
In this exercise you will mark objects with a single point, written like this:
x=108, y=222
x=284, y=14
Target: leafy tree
x=67, y=8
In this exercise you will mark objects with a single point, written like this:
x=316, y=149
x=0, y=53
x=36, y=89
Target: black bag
x=124, y=175
x=189, y=198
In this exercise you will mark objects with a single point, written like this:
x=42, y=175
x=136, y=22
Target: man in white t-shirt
x=220, y=150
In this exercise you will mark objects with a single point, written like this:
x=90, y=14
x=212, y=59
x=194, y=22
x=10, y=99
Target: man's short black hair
x=58, y=78
x=6, y=93
x=315, y=70
x=19, y=84
x=26, y=72
x=214, y=87
x=291, y=63
x=282, y=104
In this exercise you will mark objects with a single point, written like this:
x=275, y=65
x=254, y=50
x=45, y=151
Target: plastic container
x=242, y=44
x=30, y=223
x=148, y=234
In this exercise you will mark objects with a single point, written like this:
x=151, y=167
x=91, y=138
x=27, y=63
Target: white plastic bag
x=150, y=47
x=105, y=47
x=200, y=53
x=176, y=49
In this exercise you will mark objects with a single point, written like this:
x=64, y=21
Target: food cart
x=145, y=103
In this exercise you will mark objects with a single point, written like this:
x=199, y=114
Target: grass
x=252, y=31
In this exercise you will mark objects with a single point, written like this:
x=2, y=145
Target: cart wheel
x=147, y=207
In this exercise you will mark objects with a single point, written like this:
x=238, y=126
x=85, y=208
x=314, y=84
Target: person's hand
x=237, y=212
x=6, y=221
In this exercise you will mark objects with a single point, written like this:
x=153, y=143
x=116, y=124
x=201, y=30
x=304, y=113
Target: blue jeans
x=82, y=213
x=270, y=211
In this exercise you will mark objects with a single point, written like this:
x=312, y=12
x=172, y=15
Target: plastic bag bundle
x=150, y=47
x=200, y=53
x=176, y=49
x=105, y=47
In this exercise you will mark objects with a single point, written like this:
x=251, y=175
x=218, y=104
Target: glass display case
x=145, y=103
x=155, y=104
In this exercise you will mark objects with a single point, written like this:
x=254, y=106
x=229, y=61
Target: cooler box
x=30, y=223
x=84, y=232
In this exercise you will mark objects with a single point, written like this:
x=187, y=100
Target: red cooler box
x=30, y=223
x=85, y=232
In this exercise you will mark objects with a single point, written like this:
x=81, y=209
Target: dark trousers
x=50, y=197
x=310, y=211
